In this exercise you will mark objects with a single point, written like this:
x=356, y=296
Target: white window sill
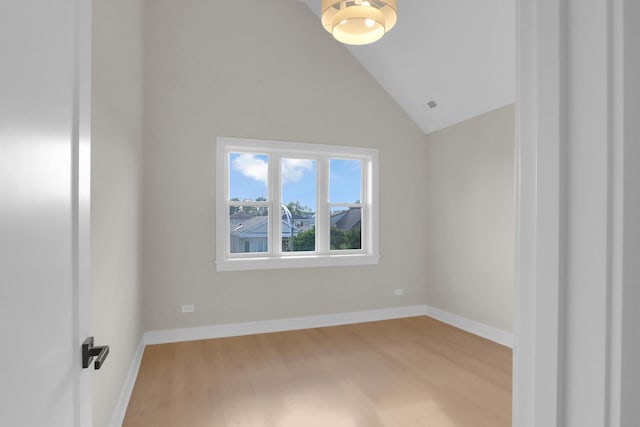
x=265, y=263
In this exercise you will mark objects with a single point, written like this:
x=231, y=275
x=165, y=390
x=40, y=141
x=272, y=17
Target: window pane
x=249, y=229
x=346, y=228
x=299, y=178
x=345, y=181
x=248, y=176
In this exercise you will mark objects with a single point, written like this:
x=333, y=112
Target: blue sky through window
x=248, y=176
x=248, y=179
x=345, y=181
x=299, y=182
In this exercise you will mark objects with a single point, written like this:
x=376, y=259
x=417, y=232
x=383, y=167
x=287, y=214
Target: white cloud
x=293, y=169
x=251, y=166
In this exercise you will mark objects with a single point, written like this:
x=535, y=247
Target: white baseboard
x=279, y=325
x=489, y=332
x=125, y=394
x=295, y=323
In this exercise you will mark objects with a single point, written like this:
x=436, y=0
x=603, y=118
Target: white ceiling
x=459, y=53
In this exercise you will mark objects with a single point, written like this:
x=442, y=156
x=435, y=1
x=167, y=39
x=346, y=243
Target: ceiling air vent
x=432, y=104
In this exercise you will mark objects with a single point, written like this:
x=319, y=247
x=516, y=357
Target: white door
x=44, y=212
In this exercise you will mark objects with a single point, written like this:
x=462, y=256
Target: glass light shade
x=358, y=22
x=358, y=25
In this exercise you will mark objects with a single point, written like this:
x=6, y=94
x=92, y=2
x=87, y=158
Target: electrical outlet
x=398, y=292
x=188, y=308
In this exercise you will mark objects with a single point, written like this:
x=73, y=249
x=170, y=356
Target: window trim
x=274, y=258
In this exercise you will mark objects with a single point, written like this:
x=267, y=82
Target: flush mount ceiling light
x=359, y=22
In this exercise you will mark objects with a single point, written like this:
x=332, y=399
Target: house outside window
x=290, y=205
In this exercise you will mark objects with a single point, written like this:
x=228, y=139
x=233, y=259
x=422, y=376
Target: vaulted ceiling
x=458, y=53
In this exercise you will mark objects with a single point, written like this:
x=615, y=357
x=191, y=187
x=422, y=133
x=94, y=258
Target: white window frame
x=323, y=256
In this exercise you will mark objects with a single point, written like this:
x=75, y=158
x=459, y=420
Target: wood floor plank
x=409, y=372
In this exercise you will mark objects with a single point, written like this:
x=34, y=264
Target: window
x=287, y=205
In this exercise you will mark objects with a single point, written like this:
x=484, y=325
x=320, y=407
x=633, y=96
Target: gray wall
x=116, y=176
x=470, y=218
x=254, y=69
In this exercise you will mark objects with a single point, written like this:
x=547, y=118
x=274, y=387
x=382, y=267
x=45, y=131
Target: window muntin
x=285, y=205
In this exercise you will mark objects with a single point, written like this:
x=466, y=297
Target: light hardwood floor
x=397, y=373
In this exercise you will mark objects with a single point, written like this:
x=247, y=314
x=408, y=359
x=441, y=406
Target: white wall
x=116, y=156
x=470, y=218
x=255, y=69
